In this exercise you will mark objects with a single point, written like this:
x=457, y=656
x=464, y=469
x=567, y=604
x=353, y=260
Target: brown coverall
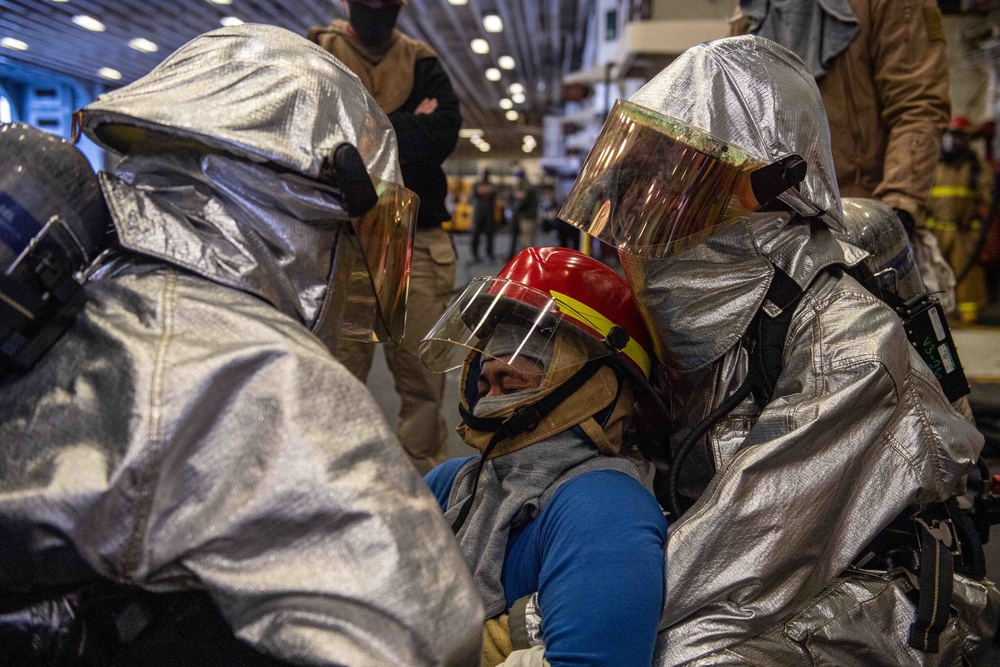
x=887, y=100
x=399, y=80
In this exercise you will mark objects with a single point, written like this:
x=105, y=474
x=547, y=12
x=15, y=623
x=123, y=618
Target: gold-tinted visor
x=372, y=268
x=653, y=186
x=528, y=320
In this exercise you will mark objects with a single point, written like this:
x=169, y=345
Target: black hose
x=694, y=436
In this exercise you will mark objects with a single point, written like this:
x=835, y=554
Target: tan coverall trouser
x=421, y=425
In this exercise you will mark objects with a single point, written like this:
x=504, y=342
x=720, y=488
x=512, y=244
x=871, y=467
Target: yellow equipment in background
x=459, y=192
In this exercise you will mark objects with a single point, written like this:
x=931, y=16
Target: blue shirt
x=595, y=556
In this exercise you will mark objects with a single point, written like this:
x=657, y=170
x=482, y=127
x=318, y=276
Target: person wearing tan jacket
x=885, y=90
x=882, y=71
x=406, y=78
x=957, y=208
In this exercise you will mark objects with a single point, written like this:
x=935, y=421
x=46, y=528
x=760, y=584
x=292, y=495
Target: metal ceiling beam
x=535, y=35
x=516, y=47
x=459, y=75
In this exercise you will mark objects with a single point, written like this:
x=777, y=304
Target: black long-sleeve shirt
x=426, y=141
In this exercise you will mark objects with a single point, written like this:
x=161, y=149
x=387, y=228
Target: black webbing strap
x=937, y=569
x=767, y=345
x=768, y=337
x=524, y=419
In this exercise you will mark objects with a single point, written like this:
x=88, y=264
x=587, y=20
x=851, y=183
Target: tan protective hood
x=577, y=410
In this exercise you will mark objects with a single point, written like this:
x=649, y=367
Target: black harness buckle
x=525, y=418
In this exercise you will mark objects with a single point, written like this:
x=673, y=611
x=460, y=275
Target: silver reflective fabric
x=757, y=95
x=694, y=322
x=857, y=428
x=863, y=619
x=256, y=92
x=187, y=436
x=189, y=432
x=201, y=190
x=237, y=223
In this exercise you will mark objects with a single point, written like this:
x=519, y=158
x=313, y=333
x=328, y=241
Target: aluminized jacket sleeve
x=856, y=431
x=187, y=436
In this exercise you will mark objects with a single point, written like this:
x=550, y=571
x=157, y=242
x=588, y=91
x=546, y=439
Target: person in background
x=407, y=80
x=524, y=214
x=188, y=475
x=567, y=235
x=957, y=211
x=484, y=200
x=882, y=70
x=552, y=518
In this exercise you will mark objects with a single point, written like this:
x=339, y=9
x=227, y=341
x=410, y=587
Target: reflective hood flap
x=755, y=94
x=275, y=98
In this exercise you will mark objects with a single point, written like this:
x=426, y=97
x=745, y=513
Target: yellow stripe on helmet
x=598, y=322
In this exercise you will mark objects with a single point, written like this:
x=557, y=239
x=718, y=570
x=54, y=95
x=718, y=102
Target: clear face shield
x=491, y=304
x=653, y=186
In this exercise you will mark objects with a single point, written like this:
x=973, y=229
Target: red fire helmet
x=543, y=290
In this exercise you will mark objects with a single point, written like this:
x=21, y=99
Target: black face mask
x=373, y=27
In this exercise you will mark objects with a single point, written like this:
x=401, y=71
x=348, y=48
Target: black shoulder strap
x=767, y=345
x=975, y=171
x=768, y=336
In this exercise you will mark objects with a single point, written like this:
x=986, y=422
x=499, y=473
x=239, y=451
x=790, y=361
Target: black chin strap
x=525, y=418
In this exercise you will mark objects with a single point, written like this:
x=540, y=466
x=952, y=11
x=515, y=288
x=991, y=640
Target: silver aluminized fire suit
x=857, y=428
x=190, y=432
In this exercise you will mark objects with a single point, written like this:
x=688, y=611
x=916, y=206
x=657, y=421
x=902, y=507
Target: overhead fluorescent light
x=493, y=74
x=506, y=104
x=492, y=23
x=527, y=149
x=528, y=139
x=518, y=98
x=505, y=62
x=109, y=73
x=89, y=22
x=480, y=46
x=516, y=88
x=11, y=43
x=142, y=44
x=230, y=21
x=484, y=147
x=512, y=115
x=458, y=3
x=465, y=133
x=221, y=2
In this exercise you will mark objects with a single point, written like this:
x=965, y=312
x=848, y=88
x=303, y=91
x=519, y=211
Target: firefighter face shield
x=371, y=270
x=654, y=186
x=490, y=305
